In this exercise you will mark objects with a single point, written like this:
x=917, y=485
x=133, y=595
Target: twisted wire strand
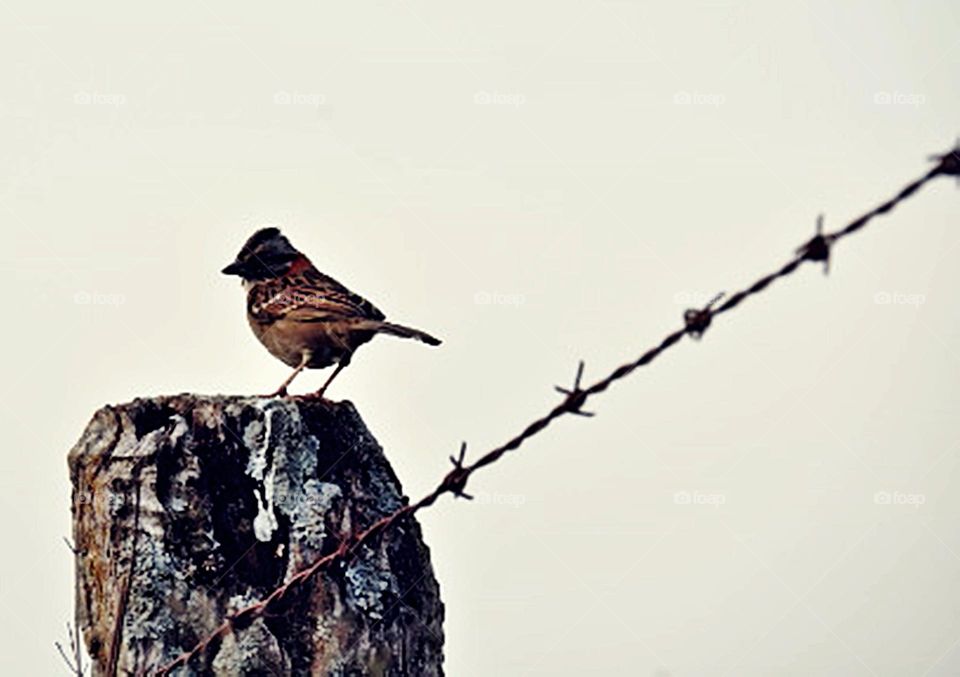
x=454, y=482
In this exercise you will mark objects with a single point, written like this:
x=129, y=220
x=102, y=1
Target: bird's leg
x=323, y=388
x=282, y=390
x=319, y=394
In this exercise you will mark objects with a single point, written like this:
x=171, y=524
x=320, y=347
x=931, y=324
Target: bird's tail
x=399, y=330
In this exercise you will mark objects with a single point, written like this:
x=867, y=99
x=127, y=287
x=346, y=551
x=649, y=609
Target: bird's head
x=266, y=255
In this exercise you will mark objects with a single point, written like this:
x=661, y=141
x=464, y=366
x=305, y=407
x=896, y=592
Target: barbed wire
x=696, y=323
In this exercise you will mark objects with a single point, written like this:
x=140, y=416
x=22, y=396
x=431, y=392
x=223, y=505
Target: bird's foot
x=311, y=397
x=279, y=392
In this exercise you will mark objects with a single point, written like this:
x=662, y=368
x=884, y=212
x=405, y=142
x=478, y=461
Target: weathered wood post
x=187, y=508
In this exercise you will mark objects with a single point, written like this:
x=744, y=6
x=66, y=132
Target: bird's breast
x=289, y=340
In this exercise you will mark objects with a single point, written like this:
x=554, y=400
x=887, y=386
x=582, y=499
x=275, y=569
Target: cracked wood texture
x=188, y=508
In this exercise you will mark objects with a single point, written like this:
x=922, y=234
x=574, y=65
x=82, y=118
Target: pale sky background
x=535, y=183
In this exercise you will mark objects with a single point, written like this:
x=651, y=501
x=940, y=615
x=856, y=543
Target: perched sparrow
x=304, y=318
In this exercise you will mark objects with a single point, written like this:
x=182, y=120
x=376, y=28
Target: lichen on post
x=189, y=508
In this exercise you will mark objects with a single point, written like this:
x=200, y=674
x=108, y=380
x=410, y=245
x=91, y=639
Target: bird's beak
x=235, y=268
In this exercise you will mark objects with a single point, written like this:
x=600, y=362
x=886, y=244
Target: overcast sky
x=535, y=183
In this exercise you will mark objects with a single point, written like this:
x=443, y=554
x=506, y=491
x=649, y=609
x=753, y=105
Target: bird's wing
x=310, y=297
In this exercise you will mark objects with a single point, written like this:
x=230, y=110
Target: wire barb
x=817, y=248
x=949, y=162
x=576, y=396
x=456, y=479
x=697, y=320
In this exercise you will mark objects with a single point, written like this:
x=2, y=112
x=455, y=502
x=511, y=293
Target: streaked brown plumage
x=304, y=318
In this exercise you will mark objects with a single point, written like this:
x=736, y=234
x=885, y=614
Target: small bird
x=306, y=319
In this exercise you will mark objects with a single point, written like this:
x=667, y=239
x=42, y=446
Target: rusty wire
x=696, y=322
